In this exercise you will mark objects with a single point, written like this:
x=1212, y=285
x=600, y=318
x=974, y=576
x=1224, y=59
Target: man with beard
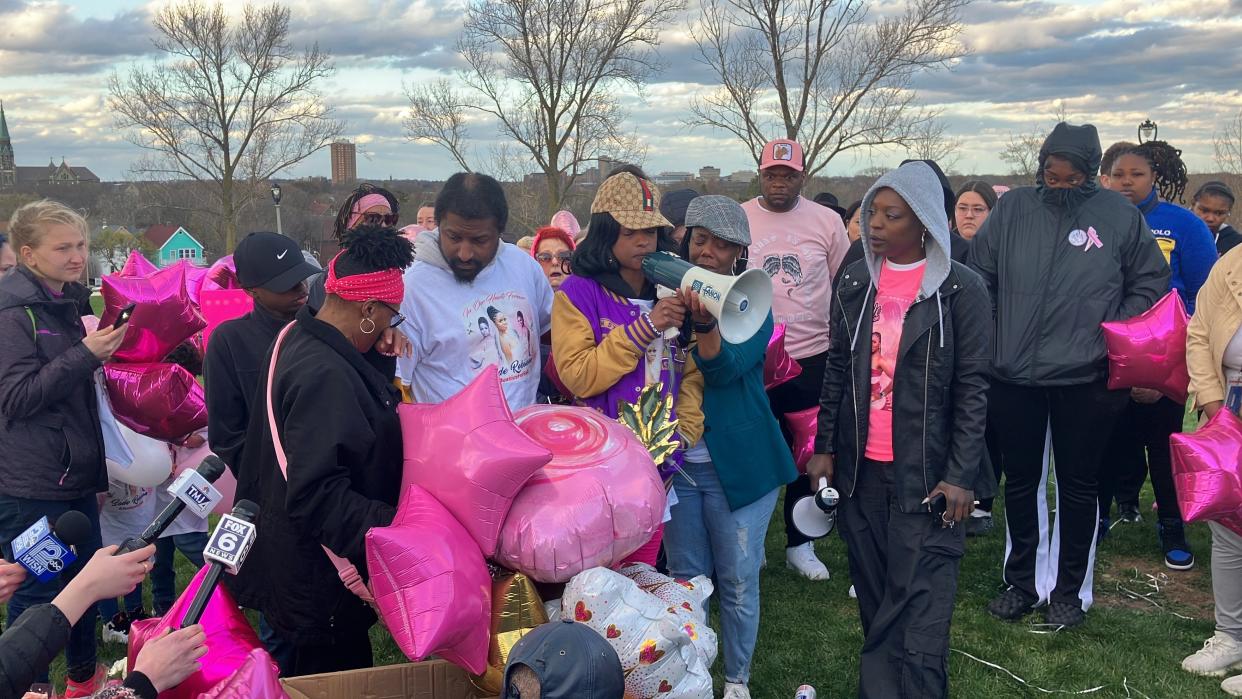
x=465, y=272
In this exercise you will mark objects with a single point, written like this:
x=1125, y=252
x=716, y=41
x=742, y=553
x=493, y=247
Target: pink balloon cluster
x=1149, y=350
x=1207, y=471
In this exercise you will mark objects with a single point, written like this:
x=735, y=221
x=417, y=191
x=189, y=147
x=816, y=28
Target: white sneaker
x=853, y=593
x=803, y=559
x=1219, y=655
x=736, y=691
x=1231, y=686
x=112, y=634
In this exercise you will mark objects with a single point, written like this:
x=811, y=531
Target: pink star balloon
x=137, y=265
x=430, y=583
x=164, y=316
x=778, y=366
x=470, y=454
x=1207, y=469
x=161, y=401
x=1149, y=350
x=194, y=278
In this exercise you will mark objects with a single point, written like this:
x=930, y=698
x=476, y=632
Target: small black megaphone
x=815, y=515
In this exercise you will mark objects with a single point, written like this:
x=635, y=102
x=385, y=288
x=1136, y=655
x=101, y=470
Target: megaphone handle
x=823, y=482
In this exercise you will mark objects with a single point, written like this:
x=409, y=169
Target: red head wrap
x=385, y=285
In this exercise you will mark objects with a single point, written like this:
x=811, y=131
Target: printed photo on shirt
x=500, y=329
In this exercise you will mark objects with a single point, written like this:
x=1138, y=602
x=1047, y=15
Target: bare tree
x=1021, y=152
x=929, y=141
x=232, y=105
x=547, y=74
x=822, y=72
x=1228, y=145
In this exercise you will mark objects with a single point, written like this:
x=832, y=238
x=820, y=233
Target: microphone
x=226, y=550
x=44, y=552
x=193, y=489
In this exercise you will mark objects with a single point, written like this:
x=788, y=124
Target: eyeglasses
x=397, y=318
x=564, y=256
x=379, y=219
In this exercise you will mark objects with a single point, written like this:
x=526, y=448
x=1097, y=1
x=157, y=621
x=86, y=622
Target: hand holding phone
x=124, y=315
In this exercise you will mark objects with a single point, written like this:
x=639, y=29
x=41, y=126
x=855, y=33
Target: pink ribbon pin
x=1093, y=238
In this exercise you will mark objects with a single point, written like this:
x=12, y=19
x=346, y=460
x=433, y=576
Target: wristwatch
x=705, y=327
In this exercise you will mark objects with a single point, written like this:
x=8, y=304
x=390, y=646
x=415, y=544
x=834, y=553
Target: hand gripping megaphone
x=740, y=304
x=815, y=515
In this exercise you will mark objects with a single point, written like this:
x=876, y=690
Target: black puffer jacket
x=940, y=383
x=338, y=423
x=1055, y=271
x=49, y=416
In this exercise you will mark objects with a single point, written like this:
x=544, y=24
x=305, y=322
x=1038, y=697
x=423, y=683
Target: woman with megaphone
x=907, y=468
x=731, y=479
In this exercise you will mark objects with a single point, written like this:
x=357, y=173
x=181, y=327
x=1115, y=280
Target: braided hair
x=373, y=248
x=1166, y=163
x=347, y=208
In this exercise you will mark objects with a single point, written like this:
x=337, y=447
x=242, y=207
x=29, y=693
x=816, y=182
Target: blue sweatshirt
x=1186, y=242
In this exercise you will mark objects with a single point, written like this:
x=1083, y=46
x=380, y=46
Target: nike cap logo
x=281, y=256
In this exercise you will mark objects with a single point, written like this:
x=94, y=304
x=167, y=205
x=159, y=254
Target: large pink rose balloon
x=164, y=317
x=1207, y=468
x=162, y=401
x=230, y=639
x=137, y=265
x=1149, y=350
x=803, y=424
x=778, y=366
x=430, y=583
x=469, y=454
x=595, y=503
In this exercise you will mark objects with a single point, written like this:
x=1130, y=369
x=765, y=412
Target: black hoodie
x=49, y=416
x=1057, y=263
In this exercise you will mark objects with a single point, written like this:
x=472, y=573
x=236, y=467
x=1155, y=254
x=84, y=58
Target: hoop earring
x=362, y=326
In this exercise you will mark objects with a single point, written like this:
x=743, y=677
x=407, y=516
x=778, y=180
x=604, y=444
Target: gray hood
x=427, y=249
x=919, y=186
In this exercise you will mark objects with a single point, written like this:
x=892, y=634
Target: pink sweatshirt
x=800, y=250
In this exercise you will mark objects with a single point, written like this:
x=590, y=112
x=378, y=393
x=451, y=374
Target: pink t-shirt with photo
x=895, y=293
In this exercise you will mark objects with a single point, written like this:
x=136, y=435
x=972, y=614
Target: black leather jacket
x=939, y=390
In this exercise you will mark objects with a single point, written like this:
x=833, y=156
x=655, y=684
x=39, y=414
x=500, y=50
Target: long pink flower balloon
x=1149, y=350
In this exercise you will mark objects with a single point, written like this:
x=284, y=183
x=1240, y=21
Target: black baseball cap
x=571, y=660
x=271, y=261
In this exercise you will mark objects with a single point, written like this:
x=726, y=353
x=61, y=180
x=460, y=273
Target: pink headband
x=370, y=200
x=385, y=285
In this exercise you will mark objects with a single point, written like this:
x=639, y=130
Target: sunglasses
x=379, y=219
x=397, y=318
x=564, y=256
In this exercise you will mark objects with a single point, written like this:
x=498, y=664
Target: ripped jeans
x=705, y=538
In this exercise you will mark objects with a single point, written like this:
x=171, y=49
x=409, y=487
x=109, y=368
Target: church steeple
x=4, y=125
x=8, y=168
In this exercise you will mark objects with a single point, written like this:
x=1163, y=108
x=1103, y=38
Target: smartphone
x=41, y=688
x=123, y=318
x=938, y=506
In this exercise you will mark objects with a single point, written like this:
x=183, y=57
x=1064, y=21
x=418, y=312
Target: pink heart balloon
x=597, y=502
x=230, y=639
x=164, y=317
x=778, y=366
x=1207, y=469
x=803, y=425
x=470, y=455
x=137, y=265
x=257, y=678
x=161, y=401
x=1149, y=350
x=430, y=583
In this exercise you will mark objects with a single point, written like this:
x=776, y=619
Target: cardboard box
x=433, y=679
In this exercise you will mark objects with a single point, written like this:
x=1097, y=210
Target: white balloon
x=152, y=461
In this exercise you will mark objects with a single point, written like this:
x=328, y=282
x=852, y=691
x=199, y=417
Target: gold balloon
x=650, y=419
x=516, y=610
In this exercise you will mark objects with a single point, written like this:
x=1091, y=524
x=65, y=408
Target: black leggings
x=800, y=393
x=1140, y=442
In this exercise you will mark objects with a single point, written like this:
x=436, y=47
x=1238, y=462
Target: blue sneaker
x=1177, y=553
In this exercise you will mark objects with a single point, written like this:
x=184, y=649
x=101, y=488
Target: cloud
x=50, y=38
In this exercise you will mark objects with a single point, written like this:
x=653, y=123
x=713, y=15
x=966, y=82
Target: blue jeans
x=164, y=574
x=705, y=538
x=16, y=514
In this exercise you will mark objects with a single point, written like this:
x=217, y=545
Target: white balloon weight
x=152, y=461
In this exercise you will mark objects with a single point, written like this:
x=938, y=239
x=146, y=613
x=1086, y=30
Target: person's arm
x=836, y=368
x=722, y=363
x=588, y=369
x=227, y=416
x=320, y=502
x=1200, y=364
x=28, y=386
x=11, y=577
x=1145, y=271
x=1198, y=255
x=837, y=245
x=690, y=403
x=972, y=353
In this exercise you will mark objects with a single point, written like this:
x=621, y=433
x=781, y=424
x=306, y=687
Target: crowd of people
x=951, y=340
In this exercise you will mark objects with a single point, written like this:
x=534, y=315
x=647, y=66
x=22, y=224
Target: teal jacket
x=744, y=439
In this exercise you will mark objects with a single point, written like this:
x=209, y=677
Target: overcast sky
x=1112, y=62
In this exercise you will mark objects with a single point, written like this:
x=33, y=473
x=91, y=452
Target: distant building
x=175, y=243
x=672, y=177
x=12, y=174
x=742, y=177
x=709, y=173
x=344, y=162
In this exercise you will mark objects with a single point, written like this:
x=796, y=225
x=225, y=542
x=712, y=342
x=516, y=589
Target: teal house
x=175, y=244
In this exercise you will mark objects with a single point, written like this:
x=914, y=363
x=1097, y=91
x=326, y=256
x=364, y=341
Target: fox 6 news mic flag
x=39, y=551
x=231, y=541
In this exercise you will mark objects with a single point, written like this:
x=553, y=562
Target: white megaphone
x=740, y=304
x=815, y=515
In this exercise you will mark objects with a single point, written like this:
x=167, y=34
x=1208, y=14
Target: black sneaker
x=1177, y=553
x=979, y=525
x=1129, y=512
x=1065, y=615
x=1012, y=604
x=1104, y=526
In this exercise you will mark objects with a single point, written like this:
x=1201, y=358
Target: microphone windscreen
x=211, y=468
x=246, y=509
x=73, y=528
